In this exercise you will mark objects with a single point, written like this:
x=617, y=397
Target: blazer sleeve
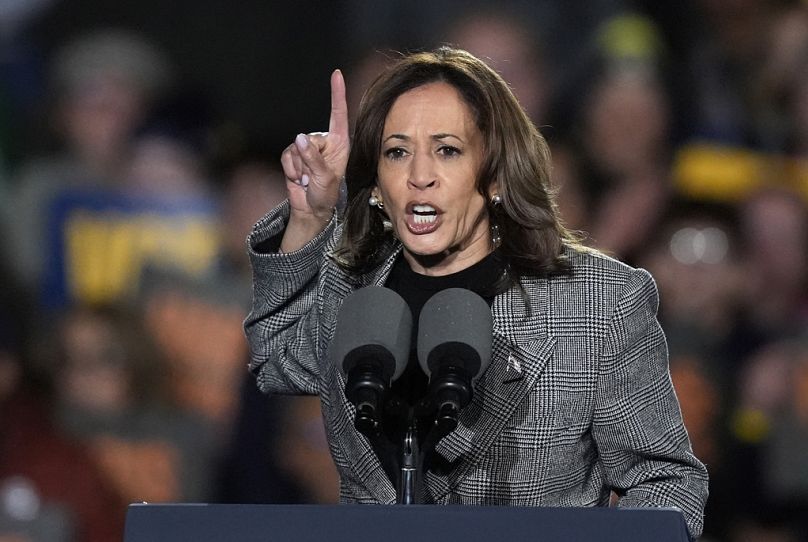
x=282, y=325
x=638, y=424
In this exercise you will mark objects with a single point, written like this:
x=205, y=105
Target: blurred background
x=139, y=141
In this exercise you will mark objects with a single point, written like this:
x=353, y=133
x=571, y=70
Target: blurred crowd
x=680, y=144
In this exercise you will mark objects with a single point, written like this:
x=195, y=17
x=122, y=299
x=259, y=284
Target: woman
x=448, y=186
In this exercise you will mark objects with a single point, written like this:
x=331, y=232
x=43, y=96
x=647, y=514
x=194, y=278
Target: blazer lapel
x=363, y=464
x=521, y=349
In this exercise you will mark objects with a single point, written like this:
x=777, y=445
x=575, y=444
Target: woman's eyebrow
x=445, y=135
x=402, y=137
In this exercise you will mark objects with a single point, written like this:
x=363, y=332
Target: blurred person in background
x=102, y=85
x=251, y=186
x=625, y=151
x=513, y=49
x=785, y=461
x=196, y=327
x=130, y=191
x=169, y=152
x=695, y=258
x=742, y=61
x=770, y=428
x=782, y=81
x=51, y=489
x=773, y=224
x=109, y=384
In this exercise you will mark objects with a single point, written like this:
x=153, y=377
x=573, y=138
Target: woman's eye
x=448, y=150
x=396, y=153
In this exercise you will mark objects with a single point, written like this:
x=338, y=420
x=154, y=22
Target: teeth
x=424, y=214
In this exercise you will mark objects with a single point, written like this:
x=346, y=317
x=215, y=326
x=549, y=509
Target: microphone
x=454, y=348
x=372, y=346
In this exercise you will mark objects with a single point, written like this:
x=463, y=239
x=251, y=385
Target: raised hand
x=314, y=166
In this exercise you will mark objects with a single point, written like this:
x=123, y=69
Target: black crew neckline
x=481, y=277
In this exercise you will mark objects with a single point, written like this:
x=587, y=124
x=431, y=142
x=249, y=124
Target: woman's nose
x=422, y=172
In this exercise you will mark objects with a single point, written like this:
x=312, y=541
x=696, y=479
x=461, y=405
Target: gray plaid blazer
x=577, y=400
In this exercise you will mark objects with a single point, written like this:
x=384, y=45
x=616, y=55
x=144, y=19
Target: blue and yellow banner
x=101, y=242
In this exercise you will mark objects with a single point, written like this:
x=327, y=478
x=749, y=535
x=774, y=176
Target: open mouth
x=424, y=214
x=423, y=218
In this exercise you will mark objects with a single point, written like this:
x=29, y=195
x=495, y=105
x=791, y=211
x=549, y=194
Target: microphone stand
x=413, y=451
x=448, y=394
x=409, y=487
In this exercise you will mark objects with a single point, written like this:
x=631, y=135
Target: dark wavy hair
x=517, y=160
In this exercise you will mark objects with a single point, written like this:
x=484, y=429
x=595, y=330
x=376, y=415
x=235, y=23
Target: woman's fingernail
x=302, y=141
x=304, y=181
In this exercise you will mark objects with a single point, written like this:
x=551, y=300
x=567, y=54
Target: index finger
x=338, y=122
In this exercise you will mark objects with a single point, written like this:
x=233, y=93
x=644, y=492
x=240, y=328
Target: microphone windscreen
x=373, y=322
x=456, y=323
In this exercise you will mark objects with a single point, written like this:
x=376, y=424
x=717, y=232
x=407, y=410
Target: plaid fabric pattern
x=577, y=400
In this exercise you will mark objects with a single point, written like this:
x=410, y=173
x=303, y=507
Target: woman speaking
x=448, y=187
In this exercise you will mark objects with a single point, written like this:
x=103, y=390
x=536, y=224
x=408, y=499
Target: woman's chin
x=423, y=250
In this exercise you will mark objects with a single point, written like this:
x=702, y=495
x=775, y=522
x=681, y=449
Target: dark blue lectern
x=367, y=523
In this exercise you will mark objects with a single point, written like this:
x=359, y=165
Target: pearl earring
x=496, y=199
x=373, y=201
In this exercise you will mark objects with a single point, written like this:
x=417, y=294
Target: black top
x=416, y=289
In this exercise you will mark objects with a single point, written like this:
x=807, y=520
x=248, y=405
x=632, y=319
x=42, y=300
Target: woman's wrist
x=302, y=228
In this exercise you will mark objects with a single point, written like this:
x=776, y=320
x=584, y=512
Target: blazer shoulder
x=592, y=265
x=595, y=285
